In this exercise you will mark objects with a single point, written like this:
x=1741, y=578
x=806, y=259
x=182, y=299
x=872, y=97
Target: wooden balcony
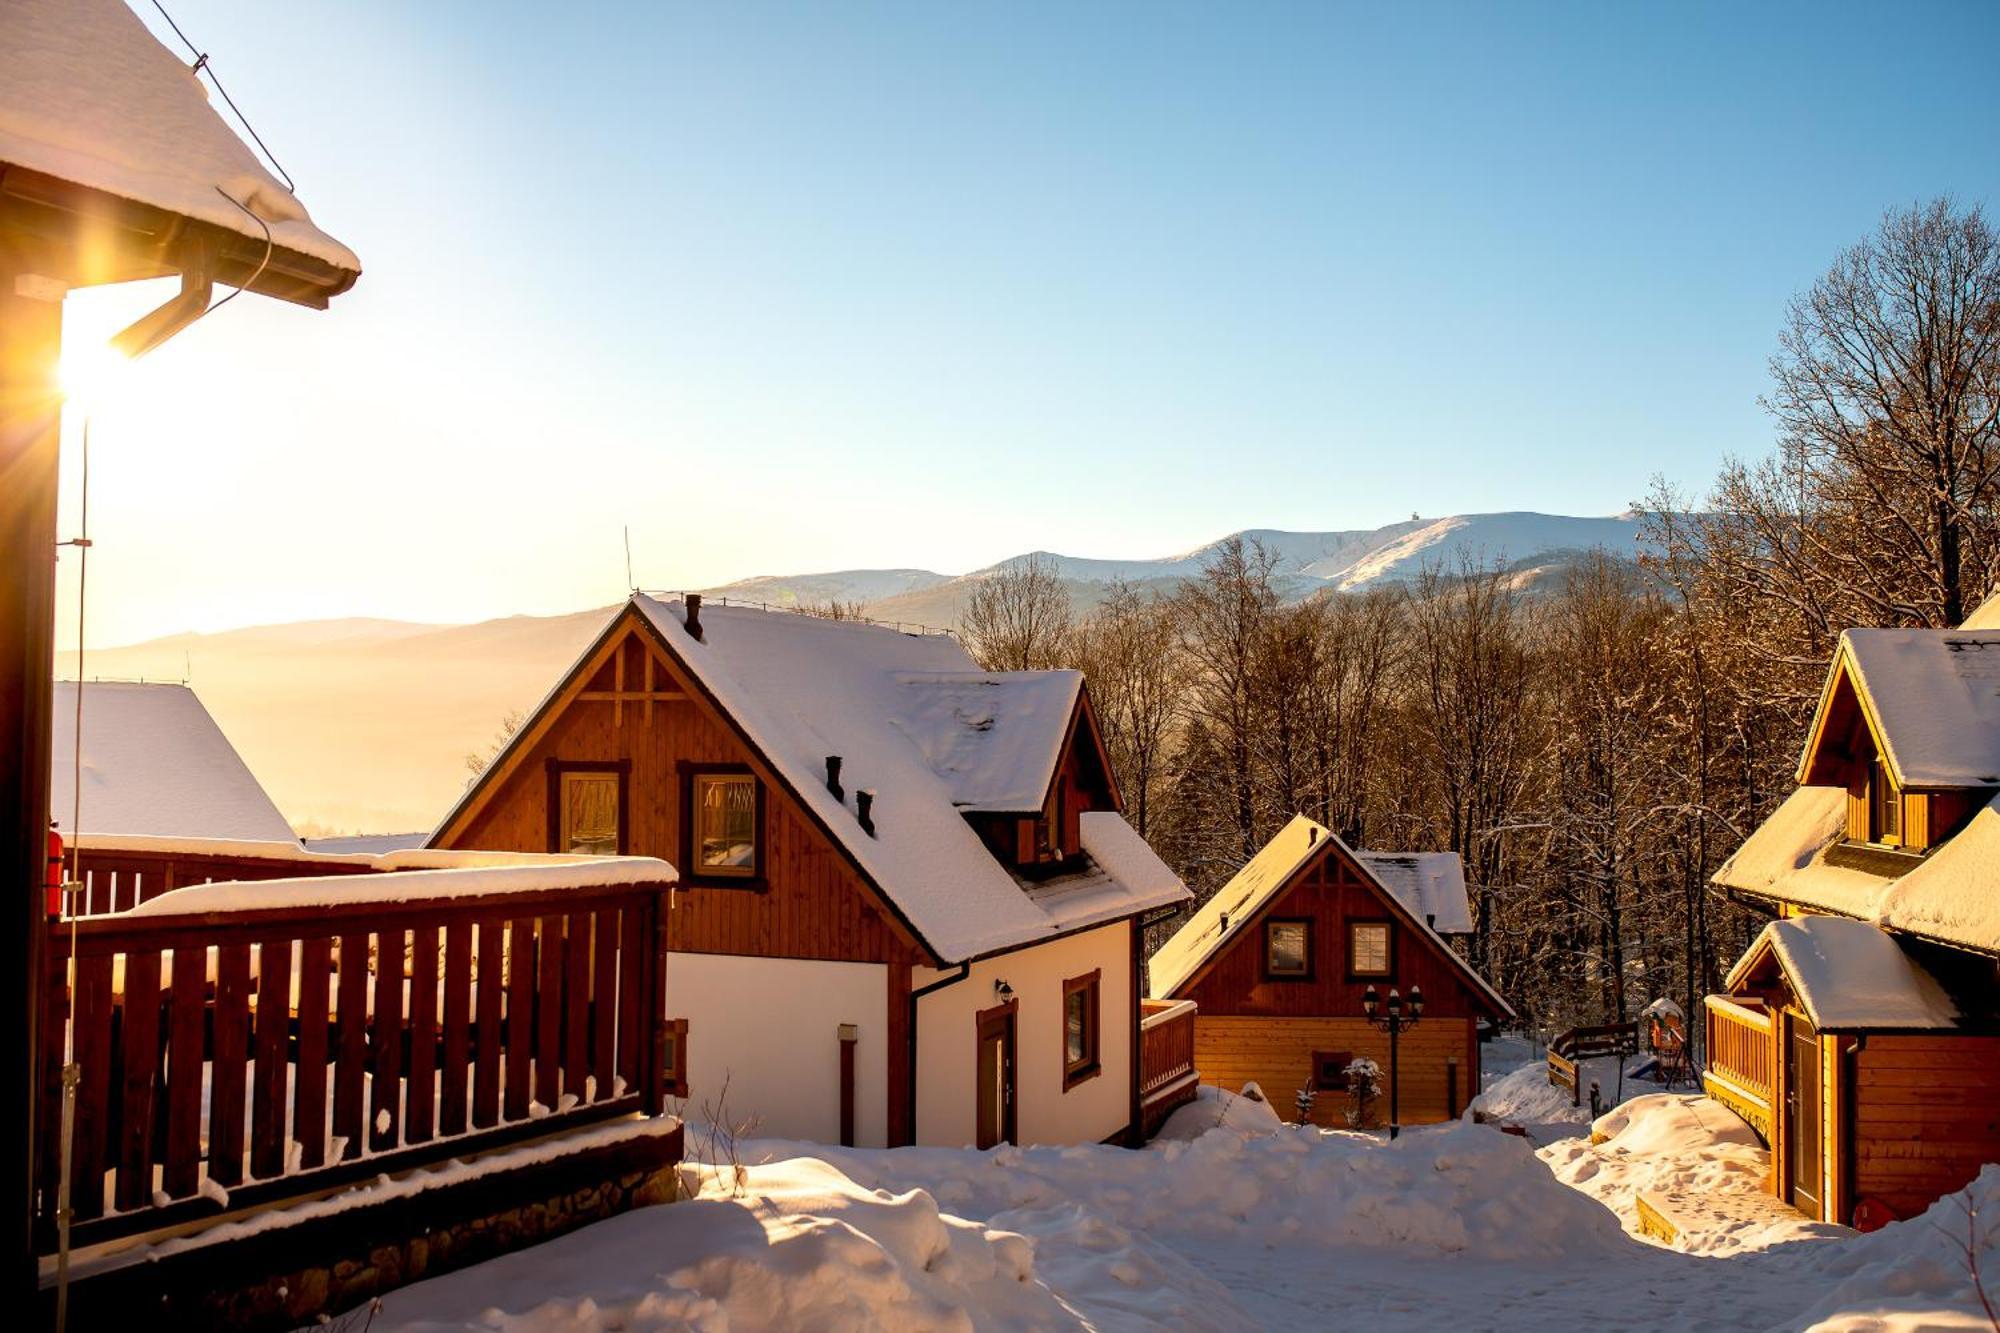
x=1167, y=1076
x=1740, y=1053
x=266, y=1040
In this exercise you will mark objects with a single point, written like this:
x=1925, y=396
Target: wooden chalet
x=1860, y=1032
x=910, y=910
x=1278, y=961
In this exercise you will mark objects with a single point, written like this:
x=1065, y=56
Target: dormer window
x=1885, y=806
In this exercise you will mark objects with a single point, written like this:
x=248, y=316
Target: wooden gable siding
x=1329, y=892
x=814, y=904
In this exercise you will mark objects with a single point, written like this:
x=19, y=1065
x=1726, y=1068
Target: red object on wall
x=54, y=877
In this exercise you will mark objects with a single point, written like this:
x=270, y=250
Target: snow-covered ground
x=1231, y=1220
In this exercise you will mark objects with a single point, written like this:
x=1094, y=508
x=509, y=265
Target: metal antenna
x=628, y=559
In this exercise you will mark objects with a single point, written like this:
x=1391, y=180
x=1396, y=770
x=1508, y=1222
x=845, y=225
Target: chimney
x=1312, y=836
x=864, y=810
x=833, y=776
x=1225, y=924
x=1431, y=920
x=694, y=615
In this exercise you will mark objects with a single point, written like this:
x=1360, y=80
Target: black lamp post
x=1394, y=1021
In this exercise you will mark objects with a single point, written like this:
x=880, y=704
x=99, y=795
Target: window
x=1330, y=1070
x=1885, y=806
x=1080, y=1016
x=587, y=807
x=675, y=1075
x=1288, y=950
x=1368, y=949
x=722, y=825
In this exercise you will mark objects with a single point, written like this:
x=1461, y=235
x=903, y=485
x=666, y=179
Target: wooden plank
x=902, y=1131
x=548, y=1011
x=230, y=1066
x=350, y=1063
x=420, y=1124
x=273, y=1053
x=631, y=968
x=186, y=1068
x=486, y=1069
x=385, y=1109
x=604, y=999
x=453, y=1108
x=92, y=1148
x=576, y=1005
x=139, y=1069
x=521, y=961
x=309, y=1090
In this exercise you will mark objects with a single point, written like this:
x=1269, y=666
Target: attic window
x=722, y=825
x=1288, y=950
x=587, y=807
x=1368, y=949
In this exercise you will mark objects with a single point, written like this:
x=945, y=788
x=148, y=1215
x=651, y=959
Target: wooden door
x=995, y=1080
x=1803, y=1097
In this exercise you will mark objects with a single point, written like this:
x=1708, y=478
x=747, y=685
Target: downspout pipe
x=151, y=330
x=964, y=971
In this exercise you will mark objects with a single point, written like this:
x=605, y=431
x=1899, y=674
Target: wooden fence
x=233, y=1057
x=117, y=879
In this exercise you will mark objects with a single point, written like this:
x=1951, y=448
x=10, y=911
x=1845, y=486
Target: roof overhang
x=86, y=237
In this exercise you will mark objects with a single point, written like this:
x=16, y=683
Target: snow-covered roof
x=993, y=737
x=1935, y=697
x=802, y=688
x=155, y=763
x=1430, y=884
x=1798, y=855
x=1223, y=918
x=1986, y=615
x=89, y=96
x=1851, y=976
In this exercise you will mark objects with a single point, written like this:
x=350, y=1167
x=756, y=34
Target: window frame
x=1339, y=1083
x=1311, y=970
x=1388, y=972
x=555, y=770
x=1091, y=1064
x=690, y=775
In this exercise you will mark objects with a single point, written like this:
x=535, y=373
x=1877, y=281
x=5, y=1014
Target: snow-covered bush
x=1302, y=1102
x=1364, y=1089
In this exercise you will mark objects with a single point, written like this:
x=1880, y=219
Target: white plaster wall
x=947, y=1039
x=770, y=1025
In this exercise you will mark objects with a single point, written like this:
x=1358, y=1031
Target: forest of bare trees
x=1593, y=743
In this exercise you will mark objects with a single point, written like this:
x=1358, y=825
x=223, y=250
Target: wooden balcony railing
x=1166, y=1046
x=232, y=1054
x=1740, y=1055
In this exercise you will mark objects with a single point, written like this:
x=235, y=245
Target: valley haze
x=362, y=724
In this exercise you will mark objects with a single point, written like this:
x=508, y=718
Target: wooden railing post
x=654, y=1004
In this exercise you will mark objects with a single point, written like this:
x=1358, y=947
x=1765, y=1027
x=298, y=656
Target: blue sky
x=791, y=288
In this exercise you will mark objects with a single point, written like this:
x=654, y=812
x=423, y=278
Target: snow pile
x=1688, y=1146
x=1524, y=1096
x=1916, y=1274
x=799, y=1245
x=1458, y=1189
x=1215, y=1108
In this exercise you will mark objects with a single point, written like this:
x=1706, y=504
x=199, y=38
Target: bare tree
x=1020, y=619
x=1223, y=617
x=1129, y=652
x=478, y=761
